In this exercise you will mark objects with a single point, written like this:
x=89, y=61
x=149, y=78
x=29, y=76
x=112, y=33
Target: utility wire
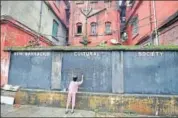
x=142, y=26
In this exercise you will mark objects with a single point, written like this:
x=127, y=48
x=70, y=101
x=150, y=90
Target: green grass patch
x=85, y=48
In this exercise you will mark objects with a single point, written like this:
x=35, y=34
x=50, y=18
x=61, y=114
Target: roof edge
x=9, y=19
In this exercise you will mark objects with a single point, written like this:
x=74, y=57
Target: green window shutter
x=108, y=28
x=55, y=29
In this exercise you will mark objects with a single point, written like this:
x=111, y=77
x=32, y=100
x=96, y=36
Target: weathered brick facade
x=21, y=28
x=101, y=13
x=15, y=34
x=144, y=12
x=169, y=35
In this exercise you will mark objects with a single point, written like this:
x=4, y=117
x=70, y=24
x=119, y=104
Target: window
x=93, y=1
x=79, y=2
x=79, y=28
x=108, y=27
x=55, y=29
x=135, y=26
x=131, y=3
x=93, y=28
x=106, y=1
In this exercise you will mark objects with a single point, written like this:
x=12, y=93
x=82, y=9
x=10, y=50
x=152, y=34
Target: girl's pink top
x=73, y=86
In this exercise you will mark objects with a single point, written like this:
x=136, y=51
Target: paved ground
x=35, y=111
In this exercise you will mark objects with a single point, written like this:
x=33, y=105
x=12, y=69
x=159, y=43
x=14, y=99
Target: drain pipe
x=156, y=41
x=39, y=27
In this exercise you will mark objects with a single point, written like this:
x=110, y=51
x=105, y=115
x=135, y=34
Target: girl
x=73, y=89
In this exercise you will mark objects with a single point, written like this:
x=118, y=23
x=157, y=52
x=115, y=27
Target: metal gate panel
x=30, y=69
x=96, y=67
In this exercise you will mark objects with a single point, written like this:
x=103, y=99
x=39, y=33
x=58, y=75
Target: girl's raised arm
x=81, y=81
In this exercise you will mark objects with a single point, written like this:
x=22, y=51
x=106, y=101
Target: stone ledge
x=139, y=104
x=108, y=48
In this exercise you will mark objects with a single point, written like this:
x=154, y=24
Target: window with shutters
x=93, y=28
x=55, y=29
x=108, y=28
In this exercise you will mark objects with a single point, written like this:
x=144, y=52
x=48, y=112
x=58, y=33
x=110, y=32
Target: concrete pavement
x=36, y=111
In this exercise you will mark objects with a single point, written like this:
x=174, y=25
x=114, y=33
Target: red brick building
x=61, y=9
x=20, y=28
x=13, y=33
x=143, y=16
x=168, y=31
x=103, y=22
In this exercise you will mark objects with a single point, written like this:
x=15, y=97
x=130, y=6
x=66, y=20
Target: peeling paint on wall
x=4, y=69
x=139, y=104
x=12, y=36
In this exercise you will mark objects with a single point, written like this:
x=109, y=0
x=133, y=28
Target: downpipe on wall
x=156, y=39
x=39, y=26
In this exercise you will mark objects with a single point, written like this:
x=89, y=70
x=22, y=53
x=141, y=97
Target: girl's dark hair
x=74, y=79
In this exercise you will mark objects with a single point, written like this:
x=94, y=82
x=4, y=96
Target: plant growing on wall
x=85, y=41
x=33, y=43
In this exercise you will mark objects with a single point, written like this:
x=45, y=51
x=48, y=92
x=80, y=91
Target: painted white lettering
x=47, y=54
x=87, y=54
x=150, y=54
x=26, y=54
x=75, y=53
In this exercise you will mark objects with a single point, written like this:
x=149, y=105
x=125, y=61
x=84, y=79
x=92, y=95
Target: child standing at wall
x=73, y=89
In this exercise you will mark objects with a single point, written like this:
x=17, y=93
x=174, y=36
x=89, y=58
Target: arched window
x=79, y=28
x=93, y=28
x=108, y=27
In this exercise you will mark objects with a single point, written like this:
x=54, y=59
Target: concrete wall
x=28, y=13
x=161, y=105
x=96, y=67
x=151, y=72
x=143, y=72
